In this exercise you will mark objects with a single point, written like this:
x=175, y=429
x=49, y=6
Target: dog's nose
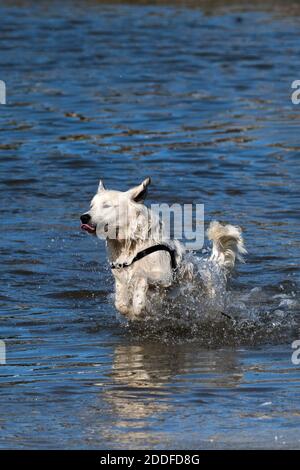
x=85, y=218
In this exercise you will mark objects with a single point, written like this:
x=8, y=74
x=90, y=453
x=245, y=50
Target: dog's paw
x=122, y=308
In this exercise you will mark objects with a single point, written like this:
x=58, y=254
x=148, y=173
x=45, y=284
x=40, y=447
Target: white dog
x=141, y=258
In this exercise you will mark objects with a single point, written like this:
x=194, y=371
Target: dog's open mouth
x=90, y=228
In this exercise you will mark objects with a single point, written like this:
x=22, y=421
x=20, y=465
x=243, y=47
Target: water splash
x=205, y=310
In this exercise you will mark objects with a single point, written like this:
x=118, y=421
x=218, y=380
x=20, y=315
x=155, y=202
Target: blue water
x=198, y=98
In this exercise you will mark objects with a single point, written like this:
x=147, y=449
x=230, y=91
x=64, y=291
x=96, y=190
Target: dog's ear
x=138, y=193
x=101, y=186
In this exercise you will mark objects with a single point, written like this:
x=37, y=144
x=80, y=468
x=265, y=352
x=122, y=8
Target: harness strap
x=146, y=252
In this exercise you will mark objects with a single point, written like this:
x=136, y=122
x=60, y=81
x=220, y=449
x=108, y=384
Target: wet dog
x=141, y=256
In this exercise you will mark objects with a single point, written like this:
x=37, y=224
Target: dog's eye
x=106, y=206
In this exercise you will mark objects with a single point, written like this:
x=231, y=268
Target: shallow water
x=198, y=98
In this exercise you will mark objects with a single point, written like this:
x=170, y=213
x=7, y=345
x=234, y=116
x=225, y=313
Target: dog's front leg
x=139, y=297
x=121, y=298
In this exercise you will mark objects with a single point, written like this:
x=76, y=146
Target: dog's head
x=116, y=214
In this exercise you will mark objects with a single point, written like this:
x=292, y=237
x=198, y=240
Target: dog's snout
x=85, y=218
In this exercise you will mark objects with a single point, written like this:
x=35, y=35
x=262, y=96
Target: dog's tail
x=228, y=244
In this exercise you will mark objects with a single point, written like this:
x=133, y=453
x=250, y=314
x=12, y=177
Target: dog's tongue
x=88, y=228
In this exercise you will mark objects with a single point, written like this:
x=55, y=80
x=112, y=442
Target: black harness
x=146, y=252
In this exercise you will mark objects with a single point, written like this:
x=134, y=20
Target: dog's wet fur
x=128, y=226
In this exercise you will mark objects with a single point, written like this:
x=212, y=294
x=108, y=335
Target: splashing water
x=215, y=311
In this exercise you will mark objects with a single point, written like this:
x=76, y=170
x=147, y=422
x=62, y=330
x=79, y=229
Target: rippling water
x=198, y=98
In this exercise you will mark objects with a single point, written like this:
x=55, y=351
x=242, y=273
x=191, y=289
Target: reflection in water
x=144, y=378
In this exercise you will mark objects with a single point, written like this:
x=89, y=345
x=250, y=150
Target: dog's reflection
x=149, y=380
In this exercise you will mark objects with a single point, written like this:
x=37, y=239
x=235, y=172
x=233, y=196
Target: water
x=198, y=98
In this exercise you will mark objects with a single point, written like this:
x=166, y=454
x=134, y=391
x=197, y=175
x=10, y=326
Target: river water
x=200, y=99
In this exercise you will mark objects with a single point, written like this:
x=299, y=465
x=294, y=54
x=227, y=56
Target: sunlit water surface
x=200, y=100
